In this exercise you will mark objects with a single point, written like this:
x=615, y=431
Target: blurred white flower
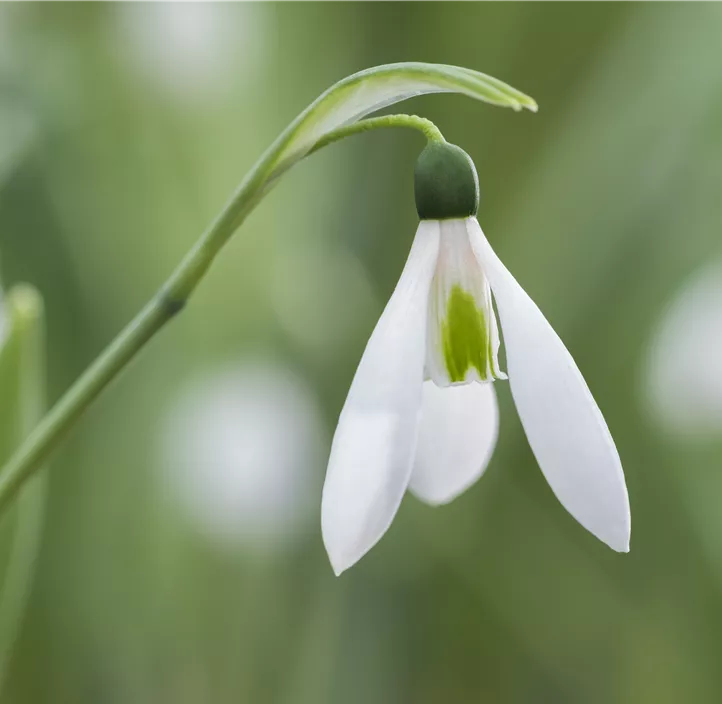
x=241, y=451
x=683, y=379
x=191, y=49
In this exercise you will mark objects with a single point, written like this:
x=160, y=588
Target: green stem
x=426, y=127
x=170, y=300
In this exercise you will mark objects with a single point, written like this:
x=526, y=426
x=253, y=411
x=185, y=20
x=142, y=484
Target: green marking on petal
x=464, y=336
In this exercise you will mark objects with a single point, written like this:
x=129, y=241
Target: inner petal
x=462, y=334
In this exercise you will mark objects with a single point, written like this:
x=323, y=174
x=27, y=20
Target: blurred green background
x=181, y=558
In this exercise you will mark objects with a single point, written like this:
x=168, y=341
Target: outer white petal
x=374, y=445
x=457, y=435
x=563, y=423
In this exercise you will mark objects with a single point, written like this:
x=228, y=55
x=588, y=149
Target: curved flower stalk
x=335, y=114
x=376, y=88
x=422, y=413
x=351, y=99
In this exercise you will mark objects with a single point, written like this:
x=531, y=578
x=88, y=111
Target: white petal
x=563, y=423
x=375, y=441
x=457, y=436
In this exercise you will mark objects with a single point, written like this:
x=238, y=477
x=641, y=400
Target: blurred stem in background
x=22, y=377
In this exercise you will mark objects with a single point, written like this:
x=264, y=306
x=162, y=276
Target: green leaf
x=375, y=88
x=22, y=401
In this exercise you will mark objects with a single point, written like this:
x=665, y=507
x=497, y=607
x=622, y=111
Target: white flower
x=422, y=413
x=689, y=329
x=192, y=50
x=223, y=464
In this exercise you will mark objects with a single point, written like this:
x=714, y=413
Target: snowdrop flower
x=422, y=412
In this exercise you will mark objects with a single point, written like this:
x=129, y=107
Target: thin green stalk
x=169, y=301
x=426, y=127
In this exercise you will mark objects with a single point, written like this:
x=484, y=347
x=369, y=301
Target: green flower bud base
x=445, y=183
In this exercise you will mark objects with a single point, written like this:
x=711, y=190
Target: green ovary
x=465, y=336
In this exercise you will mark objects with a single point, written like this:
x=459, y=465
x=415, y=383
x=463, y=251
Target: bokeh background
x=181, y=558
